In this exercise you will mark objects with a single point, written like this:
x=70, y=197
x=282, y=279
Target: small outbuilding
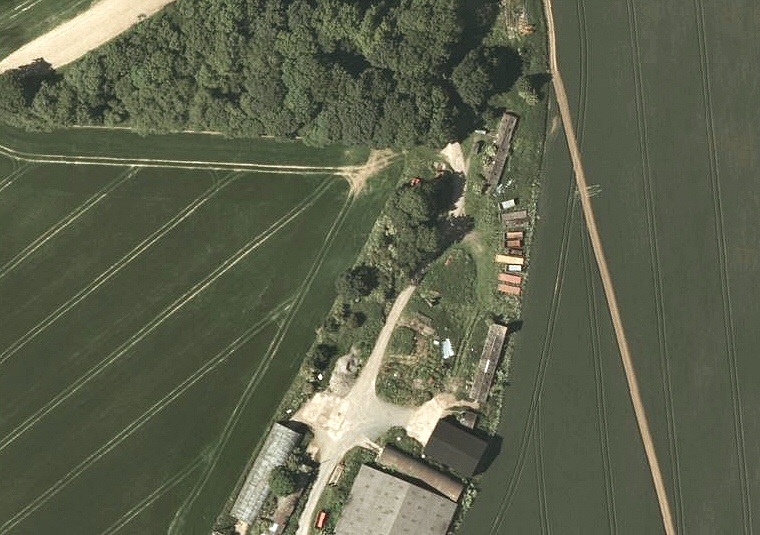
x=403, y=463
x=456, y=447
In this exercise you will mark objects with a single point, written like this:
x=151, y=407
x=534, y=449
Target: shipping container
x=511, y=279
x=507, y=289
x=515, y=216
x=321, y=520
x=509, y=259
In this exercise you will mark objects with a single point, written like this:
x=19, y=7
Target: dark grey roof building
x=381, y=504
x=456, y=447
x=275, y=451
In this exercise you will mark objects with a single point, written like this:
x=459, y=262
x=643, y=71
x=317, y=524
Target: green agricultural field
x=150, y=319
x=667, y=130
x=23, y=20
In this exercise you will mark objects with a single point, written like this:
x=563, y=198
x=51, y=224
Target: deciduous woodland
x=380, y=73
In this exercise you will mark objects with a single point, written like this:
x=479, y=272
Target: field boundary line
x=116, y=267
x=165, y=487
x=544, y=358
x=654, y=252
x=179, y=517
x=720, y=232
x=169, y=311
x=601, y=404
x=609, y=290
x=172, y=163
x=67, y=220
x=136, y=424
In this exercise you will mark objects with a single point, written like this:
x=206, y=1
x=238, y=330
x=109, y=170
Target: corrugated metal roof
x=278, y=445
x=381, y=504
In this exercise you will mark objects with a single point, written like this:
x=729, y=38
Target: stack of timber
x=489, y=360
x=504, y=140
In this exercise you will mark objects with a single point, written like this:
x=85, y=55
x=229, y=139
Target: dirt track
x=609, y=290
x=342, y=422
x=74, y=38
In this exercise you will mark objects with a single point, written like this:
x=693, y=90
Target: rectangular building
x=456, y=447
x=509, y=259
x=507, y=289
x=382, y=504
x=510, y=278
x=275, y=451
x=489, y=360
x=515, y=216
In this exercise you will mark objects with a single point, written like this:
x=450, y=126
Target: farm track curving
x=543, y=362
x=149, y=500
x=177, y=524
x=138, y=423
x=730, y=332
x=169, y=311
x=601, y=403
x=116, y=267
x=654, y=253
x=171, y=163
x=78, y=212
x=17, y=172
x=546, y=526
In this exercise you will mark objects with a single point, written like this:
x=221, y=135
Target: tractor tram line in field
x=139, y=422
x=69, y=219
x=154, y=496
x=657, y=277
x=17, y=172
x=543, y=358
x=169, y=311
x=543, y=502
x=584, y=70
x=175, y=528
x=601, y=395
x=730, y=336
x=117, y=266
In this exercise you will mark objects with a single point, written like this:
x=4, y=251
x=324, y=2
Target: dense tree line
x=383, y=73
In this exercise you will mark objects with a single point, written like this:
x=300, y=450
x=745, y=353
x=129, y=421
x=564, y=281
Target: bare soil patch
x=74, y=38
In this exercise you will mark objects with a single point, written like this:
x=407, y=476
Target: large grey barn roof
x=278, y=445
x=456, y=447
x=381, y=504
